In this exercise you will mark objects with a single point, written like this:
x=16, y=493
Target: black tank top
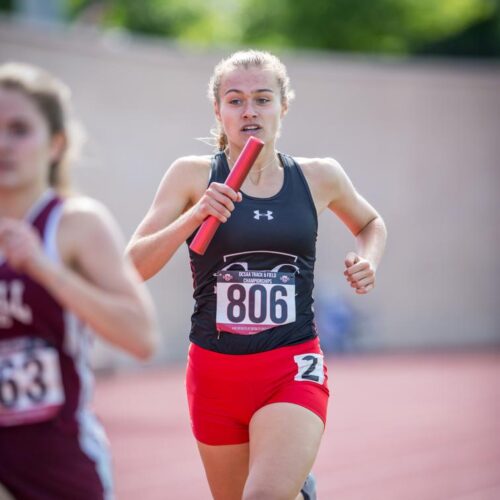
x=253, y=287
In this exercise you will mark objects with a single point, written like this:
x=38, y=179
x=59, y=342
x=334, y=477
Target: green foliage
x=74, y=7
x=481, y=39
x=6, y=5
x=391, y=26
x=156, y=17
x=466, y=27
x=201, y=22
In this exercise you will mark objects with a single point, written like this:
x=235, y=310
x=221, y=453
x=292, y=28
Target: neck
x=267, y=159
x=15, y=203
x=265, y=167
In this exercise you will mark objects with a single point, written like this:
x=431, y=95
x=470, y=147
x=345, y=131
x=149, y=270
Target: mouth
x=251, y=128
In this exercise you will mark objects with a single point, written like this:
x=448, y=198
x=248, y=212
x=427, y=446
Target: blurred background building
x=406, y=95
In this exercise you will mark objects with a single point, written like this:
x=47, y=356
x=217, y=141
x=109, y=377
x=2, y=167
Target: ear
x=58, y=144
x=217, y=111
x=284, y=109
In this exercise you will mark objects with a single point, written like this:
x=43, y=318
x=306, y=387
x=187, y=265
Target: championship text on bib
x=250, y=302
x=31, y=387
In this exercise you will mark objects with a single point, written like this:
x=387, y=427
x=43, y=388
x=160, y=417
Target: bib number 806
x=260, y=302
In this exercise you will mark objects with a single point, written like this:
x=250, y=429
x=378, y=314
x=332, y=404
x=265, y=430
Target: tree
x=387, y=26
x=452, y=27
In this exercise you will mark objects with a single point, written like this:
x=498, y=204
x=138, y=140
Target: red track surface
x=420, y=427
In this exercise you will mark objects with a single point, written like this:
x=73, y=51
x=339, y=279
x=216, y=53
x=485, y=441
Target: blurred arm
x=94, y=281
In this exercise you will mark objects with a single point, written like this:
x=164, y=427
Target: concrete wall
x=419, y=138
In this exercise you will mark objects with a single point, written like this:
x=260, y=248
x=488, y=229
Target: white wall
x=420, y=139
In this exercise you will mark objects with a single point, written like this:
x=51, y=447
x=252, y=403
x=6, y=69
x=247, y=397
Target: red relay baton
x=234, y=180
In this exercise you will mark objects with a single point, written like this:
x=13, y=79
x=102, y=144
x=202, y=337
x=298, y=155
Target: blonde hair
x=247, y=59
x=52, y=97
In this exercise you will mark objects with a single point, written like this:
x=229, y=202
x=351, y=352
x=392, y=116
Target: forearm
x=151, y=252
x=370, y=241
x=125, y=320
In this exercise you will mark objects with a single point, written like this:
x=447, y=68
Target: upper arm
x=347, y=203
x=92, y=244
x=181, y=187
x=332, y=188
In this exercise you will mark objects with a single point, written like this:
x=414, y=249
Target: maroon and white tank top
x=44, y=369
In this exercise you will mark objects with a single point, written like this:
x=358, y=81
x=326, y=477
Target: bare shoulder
x=84, y=210
x=86, y=223
x=192, y=161
x=185, y=180
x=320, y=169
x=322, y=174
x=186, y=166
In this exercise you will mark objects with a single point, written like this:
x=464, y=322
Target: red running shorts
x=224, y=390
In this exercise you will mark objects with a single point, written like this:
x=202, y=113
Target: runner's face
x=26, y=147
x=250, y=104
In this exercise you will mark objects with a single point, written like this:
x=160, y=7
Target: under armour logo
x=258, y=215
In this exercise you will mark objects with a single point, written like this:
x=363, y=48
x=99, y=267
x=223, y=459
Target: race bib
x=31, y=387
x=250, y=302
x=310, y=368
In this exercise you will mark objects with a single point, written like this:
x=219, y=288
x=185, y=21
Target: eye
x=263, y=100
x=235, y=101
x=19, y=128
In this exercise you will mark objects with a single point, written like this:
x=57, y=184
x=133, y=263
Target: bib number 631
x=23, y=379
x=31, y=387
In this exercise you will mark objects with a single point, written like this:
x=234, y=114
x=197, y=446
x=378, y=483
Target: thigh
x=226, y=468
x=284, y=442
x=217, y=397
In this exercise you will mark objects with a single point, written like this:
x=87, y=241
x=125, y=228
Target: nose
x=249, y=110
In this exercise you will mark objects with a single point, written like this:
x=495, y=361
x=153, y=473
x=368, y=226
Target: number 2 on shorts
x=310, y=368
